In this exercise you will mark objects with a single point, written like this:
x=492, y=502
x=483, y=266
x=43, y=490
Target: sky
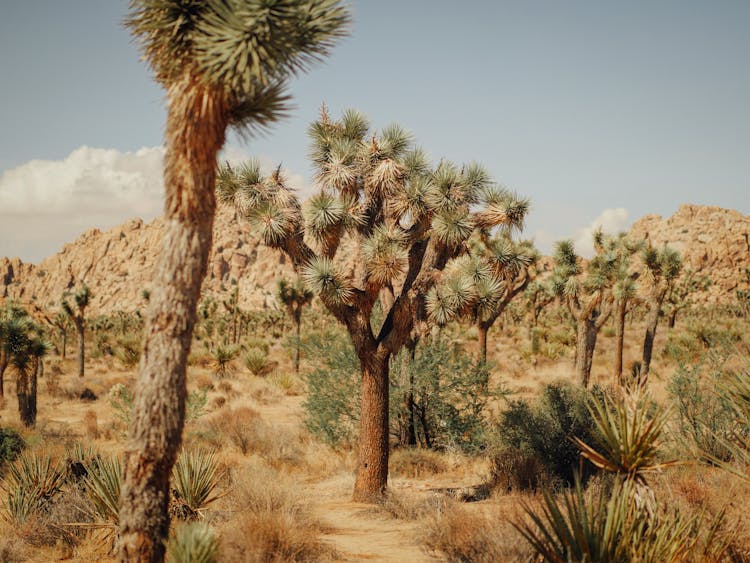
x=599, y=112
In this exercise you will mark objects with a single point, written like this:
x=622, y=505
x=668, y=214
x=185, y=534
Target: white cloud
x=611, y=221
x=45, y=203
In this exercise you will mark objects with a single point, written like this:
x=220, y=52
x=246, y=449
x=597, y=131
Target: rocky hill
x=712, y=240
x=117, y=264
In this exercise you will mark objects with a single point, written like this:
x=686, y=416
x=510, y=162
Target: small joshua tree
x=294, y=296
x=587, y=294
x=663, y=267
x=77, y=314
x=403, y=220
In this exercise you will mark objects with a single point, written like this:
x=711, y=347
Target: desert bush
x=11, y=445
x=256, y=342
x=121, y=400
x=128, y=350
x=416, y=463
x=512, y=469
x=194, y=542
x=467, y=537
x=545, y=427
x=332, y=405
x=450, y=391
x=402, y=506
x=274, y=523
x=256, y=360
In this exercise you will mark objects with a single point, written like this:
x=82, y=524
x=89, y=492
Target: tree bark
x=64, y=343
x=3, y=367
x=619, y=339
x=483, y=330
x=196, y=124
x=585, y=344
x=26, y=394
x=372, y=465
x=652, y=321
x=80, y=329
x=298, y=330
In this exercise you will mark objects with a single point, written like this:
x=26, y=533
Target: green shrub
x=256, y=360
x=128, y=350
x=193, y=543
x=194, y=477
x=545, y=428
x=332, y=405
x=11, y=445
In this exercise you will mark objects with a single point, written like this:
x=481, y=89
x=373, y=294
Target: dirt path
x=358, y=533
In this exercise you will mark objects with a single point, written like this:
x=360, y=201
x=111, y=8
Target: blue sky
x=584, y=106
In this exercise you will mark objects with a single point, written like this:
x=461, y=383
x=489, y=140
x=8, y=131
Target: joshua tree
x=680, y=296
x=77, y=314
x=586, y=294
x=61, y=321
x=27, y=363
x=10, y=316
x=294, y=296
x=222, y=63
x=401, y=220
x=662, y=268
x=538, y=295
x=483, y=282
x=624, y=291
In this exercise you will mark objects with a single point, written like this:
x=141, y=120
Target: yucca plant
x=194, y=478
x=610, y=528
x=256, y=360
x=32, y=482
x=194, y=542
x=223, y=357
x=102, y=485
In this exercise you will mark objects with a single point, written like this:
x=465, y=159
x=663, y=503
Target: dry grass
x=417, y=463
x=91, y=425
x=272, y=521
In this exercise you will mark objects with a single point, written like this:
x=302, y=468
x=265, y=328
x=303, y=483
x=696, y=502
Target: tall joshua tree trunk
x=619, y=339
x=80, y=330
x=372, y=463
x=483, y=330
x=195, y=134
x=588, y=326
x=3, y=367
x=652, y=321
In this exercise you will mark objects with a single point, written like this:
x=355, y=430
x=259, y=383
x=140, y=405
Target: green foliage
x=223, y=356
x=596, y=526
x=451, y=392
x=11, y=445
x=195, y=405
x=128, y=350
x=194, y=542
x=332, y=405
x=256, y=360
x=194, y=477
x=121, y=400
x=546, y=427
x=705, y=419
x=32, y=482
x=102, y=486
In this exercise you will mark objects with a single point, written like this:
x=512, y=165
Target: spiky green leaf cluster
x=245, y=50
x=324, y=279
x=102, y=485
x=194, y=542
x=32, y=482
x=195, y=476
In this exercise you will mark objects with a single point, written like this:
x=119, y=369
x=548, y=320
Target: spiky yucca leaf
x=195, y=477
x=452, y=227
x=416, y=163
x=276, y=223
x=323, y=213
x=440, y=307
x=394, y=141
x=102, y=486
x=629, y=436
x=488, y=292
x=412, y=201
x=385, y=178
x=385, y=254
x=324, y=279
x=338, y=159
x=194, y=542
x=354, y=124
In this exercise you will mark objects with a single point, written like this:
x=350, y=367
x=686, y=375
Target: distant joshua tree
x=587, y=294
x=77, y=314
x=663, y=267
x=294, y=296
x=406, y=221
x=624, y=292
x=222, y=63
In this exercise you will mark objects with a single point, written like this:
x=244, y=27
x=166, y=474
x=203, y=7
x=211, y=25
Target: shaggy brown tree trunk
x=26, y=382
x=372, y=464
x=585, y=344
x=619, y=339
x=195, y=134
x=483, y=330
x=298, y=330
x=80, y=329
x=64, y=344
x=652, y=321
